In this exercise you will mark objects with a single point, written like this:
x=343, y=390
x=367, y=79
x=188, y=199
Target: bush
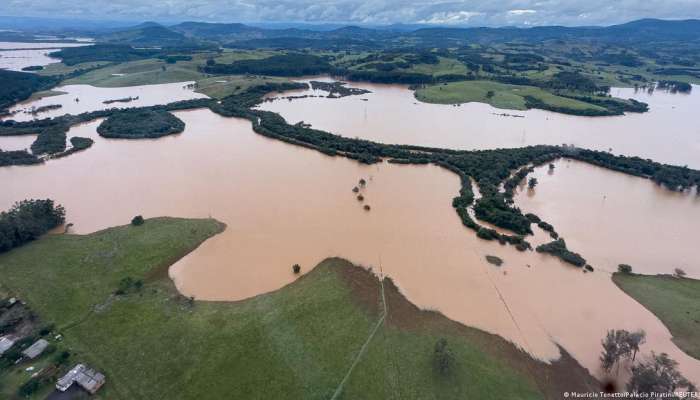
x=442, y=357
x=296, y=268
x=137, y=221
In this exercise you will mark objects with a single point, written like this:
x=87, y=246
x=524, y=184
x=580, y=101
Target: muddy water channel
x=285, y=205
x=17, y=55
x=613, y=218
x=390, y=114
x=76, y=99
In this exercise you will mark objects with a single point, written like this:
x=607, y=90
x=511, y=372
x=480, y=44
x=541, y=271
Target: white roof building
x=87, y=378
x=36, y=349
x=6, y=342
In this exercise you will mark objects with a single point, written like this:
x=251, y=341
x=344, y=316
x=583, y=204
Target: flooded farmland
x=285, y=205
x=390, y=114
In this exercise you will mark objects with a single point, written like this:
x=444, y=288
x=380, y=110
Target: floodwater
x=613, y=218
x=91, y=98
x=391, y=114
x=285, y=205
x=17, y=55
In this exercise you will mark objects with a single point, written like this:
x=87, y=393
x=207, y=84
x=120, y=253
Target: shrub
x=497, y=261
x=442, y=357
x=137, y=221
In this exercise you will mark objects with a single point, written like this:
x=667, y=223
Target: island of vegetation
x=140, y=124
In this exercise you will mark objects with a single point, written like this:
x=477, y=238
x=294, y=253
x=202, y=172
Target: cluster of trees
x=27, y=220
x=672, y=177
x=291, y=64
x=139, y=123
x=619, y=345
x=656, y=376
x=122, y=52
x=51, y=140
x=17, y=157
x=17, y=86
x=558, y=249
x=675, y=86
x=567, y=80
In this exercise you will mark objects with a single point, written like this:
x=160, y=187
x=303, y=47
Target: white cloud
x=455, y=17
x=455, y=12
x=521, y=12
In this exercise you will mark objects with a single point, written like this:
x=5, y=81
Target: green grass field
x=504, y=96
x=297, y=342
x=445, y=66
x=219, y=87
x=675, y=301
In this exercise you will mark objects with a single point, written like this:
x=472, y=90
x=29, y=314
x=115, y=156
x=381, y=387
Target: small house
x=87, y=378
x=6, y=343
x=36, y=349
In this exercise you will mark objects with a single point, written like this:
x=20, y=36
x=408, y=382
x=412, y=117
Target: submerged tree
x=532, y=183
x=620, y=344
x=296, y=268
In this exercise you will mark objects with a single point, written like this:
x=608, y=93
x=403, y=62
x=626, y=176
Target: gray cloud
x=456, y=12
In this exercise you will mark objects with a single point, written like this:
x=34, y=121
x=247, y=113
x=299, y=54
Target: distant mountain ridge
x=644, y=30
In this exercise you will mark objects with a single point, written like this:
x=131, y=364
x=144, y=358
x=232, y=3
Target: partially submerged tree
x=618, y=345
x=679, y=273
x=658, y=375
x=532, y=183
x=296, y=268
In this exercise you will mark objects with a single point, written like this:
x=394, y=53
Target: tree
x=657, y=375
x=634, y=340
x=614, y=348
x=679, y=273
x=442, y=357
x=619, y=344
x=490, y=94
x=624, y=269
x=363, y=182
x=137, y=221
x=532, y=183
x=296, y=268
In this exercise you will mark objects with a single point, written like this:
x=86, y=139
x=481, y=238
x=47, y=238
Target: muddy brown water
x=391, y=114
x=91, y=98
x=17, y=55
x=613, y=218
x=285, y=205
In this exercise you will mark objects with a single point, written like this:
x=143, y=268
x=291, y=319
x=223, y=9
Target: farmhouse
x=85, y=377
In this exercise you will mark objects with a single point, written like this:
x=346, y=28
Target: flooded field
x=612, y=218
x=82, y=98
x=285, y=205
x=17, y=55
x=391, y=114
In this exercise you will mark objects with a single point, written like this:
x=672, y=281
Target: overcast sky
x=464, y=12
